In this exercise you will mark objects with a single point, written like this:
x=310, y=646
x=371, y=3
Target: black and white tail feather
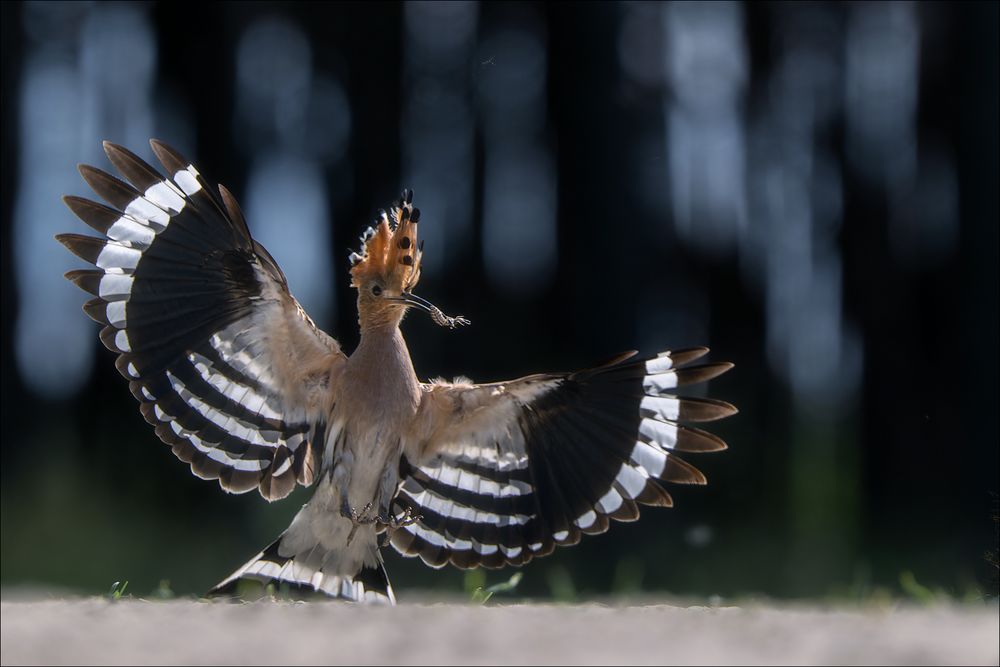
x=303, y=574
x=235, y=376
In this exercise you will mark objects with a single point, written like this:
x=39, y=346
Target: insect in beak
x=439, y=318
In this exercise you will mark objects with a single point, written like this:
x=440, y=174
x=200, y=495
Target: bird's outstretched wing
x=225, y=363
x=503, y=472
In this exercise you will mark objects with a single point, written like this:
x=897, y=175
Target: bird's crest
x=390, y=250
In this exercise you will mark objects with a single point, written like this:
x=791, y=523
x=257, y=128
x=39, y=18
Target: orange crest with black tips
x=390, y=251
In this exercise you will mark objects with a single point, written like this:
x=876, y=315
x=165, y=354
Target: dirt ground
x=99, y=631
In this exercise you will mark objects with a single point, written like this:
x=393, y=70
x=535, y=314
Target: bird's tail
x=305, y=572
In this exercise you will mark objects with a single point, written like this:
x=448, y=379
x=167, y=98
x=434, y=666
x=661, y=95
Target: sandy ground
x=92, y=631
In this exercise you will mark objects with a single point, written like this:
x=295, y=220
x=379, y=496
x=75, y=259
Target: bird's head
x=387, y=268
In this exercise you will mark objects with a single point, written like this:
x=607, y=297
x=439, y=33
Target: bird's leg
x=407, y=518
x=341, y=476
x=386, y=492
x=342, y=482
x=363, y=518
x=392, y=522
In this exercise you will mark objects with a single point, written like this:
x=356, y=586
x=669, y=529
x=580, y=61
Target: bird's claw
x=393, y=522
x=388, y=521
x=362, y=518
x=407, y=518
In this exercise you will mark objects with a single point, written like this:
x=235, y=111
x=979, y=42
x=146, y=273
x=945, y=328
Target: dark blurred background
x=808, y=188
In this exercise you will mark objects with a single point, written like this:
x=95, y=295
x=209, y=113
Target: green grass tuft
x=117, y=590
x=475, y=581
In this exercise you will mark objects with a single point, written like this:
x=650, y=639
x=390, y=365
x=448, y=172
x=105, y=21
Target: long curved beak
x=439, y=318
x=413, y=300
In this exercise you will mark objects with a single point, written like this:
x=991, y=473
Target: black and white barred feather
x=189, y=302
x=555, y=457
x=369, y=584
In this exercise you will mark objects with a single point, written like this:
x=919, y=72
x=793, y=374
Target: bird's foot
x=407, y=518
x=362, y=518
x=392, y=522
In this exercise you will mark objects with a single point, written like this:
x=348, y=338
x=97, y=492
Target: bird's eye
x=376, y=290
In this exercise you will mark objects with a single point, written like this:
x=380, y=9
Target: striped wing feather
x=225, y=364
x=507, y=471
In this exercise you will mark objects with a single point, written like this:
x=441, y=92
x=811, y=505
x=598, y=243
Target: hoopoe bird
x=239, y=381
